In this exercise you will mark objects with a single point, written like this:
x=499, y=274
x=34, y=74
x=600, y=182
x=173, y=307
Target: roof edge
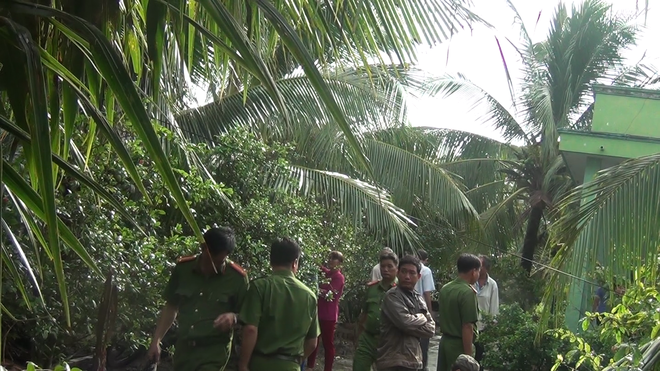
x=625, y=91
x=609, y=135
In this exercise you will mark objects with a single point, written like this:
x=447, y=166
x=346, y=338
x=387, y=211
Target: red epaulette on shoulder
x=372, y=283
x=237, y=268
x=183, y=259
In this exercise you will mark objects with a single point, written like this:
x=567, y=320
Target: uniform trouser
x=261, y=363
x=200, y=358
x=424, y=343
x=448, y=350
x=366, y=352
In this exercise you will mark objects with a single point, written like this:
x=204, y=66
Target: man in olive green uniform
x=458, y=313
x=369, y=321
x=200, y=289
x=279, y=316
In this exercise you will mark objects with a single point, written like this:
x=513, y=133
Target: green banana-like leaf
x=111, y=68
x=80, y=90
x=41, y=150
x=26, y=264
x=16, y=184
x=10, y=127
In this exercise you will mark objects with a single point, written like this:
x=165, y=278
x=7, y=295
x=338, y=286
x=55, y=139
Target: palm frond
x=370, y=206
x=583, y=47
x=409, y=177
x=619, y=209
x=617, y=213
x=498, y=115
x=357, y=94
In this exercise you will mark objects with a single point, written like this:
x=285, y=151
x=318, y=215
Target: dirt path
x=344, y=359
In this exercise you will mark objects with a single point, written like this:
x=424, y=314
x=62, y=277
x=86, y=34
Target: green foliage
x=33, y=367
x=509, y=345
x=626, y=335
x=515, y=284
x=235, y=195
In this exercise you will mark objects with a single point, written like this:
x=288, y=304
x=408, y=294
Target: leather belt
x=283, y=357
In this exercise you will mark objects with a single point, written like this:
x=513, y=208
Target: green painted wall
x=580, y=292
x=628, y=115
x=614, y=145
x=626, y=124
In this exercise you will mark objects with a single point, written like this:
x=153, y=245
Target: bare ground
x=344, y=344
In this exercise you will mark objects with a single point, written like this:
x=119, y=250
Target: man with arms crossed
x=404, y=320
x=488, y=299
x=458, y=313
x=425, y=287
x=279, y=316
x=369, y=320
x=200, y=289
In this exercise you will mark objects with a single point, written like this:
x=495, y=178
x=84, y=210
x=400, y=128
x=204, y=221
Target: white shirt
x=488, y=299
x=375, y=273
x=425, y=283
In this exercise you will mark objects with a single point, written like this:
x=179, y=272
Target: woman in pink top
x=329, y=293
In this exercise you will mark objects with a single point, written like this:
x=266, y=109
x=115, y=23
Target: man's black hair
x=486, y=262
x=389, y=256
x=220, y=240
x=411, y=260
x=283, y=252
x=422, y=255
x=467, y=262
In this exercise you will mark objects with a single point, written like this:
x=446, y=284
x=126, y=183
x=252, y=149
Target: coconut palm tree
x=584, y=46
x=416, y=173
x=73, y=72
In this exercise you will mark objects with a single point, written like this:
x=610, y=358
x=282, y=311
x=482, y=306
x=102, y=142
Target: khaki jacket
x=404, y=320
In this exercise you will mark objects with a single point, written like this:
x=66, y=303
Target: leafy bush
x=236, y=195
x=515, y=284
x=624, y=333
x=509, y=342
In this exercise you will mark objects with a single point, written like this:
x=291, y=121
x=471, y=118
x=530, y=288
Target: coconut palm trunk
x=531, y=239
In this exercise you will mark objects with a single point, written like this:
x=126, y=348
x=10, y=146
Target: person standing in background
x=425, y=287
x=375, y=271
x=458, y=313
x=330, y=292
x=369, y=320
x=488, y=299
x=404, y=320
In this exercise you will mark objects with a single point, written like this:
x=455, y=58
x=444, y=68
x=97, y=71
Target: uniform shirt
x=375, y=273
x=200, y=300
x=329, y=309
x=457, y=305
x=425, y=283
x=284, y=311
x=488, y=299
x=372, y=305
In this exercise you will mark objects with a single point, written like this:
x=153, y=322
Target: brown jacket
x=404, y=320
